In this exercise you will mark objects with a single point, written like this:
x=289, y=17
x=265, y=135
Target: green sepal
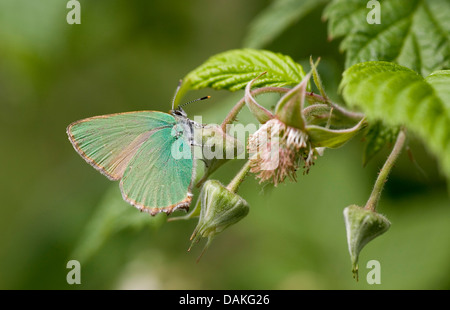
x=289, y=108
x=324, y=115
x=316, y=78
x=332, y=138
x=258, y=111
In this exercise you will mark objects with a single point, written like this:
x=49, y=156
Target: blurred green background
x=129, y=55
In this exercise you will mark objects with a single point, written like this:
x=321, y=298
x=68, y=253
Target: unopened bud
x=220, y=208
x=362, y=226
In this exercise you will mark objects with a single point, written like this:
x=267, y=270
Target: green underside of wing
x=156, y=176
x=108, y=142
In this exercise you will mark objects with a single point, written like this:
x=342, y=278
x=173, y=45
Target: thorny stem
x=239, y=178
x=384, y=172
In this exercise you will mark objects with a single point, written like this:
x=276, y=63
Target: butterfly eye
x=180, y=112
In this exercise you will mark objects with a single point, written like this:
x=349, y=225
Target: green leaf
x=413, y=33
x=276, y=18
x=399, y=96
x=377, y=136
x=232, y=70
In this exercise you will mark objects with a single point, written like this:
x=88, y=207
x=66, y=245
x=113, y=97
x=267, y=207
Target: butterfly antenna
x=189, y=102
x=176, y=93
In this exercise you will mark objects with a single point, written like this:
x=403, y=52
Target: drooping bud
x=362, y=226
x=220, y=208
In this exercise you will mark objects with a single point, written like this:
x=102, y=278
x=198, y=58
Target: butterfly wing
x=108, y=142
x=133, y=147
x=167, y=173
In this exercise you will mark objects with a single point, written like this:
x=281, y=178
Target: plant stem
x=237, y=108
x=239, y=178
x=384, y=172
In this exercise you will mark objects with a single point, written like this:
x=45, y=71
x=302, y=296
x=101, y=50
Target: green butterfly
x=148, y=151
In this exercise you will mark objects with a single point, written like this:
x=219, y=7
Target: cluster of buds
x=289, y=138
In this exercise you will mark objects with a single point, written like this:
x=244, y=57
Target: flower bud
x=362, y=226
x=220, y=208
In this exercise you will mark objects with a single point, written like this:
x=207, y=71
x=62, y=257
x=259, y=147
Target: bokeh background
x=129, y=55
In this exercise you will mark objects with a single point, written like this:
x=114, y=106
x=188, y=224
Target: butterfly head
x=178, y=111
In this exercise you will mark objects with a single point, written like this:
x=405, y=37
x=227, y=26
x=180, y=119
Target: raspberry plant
x=396, y=83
